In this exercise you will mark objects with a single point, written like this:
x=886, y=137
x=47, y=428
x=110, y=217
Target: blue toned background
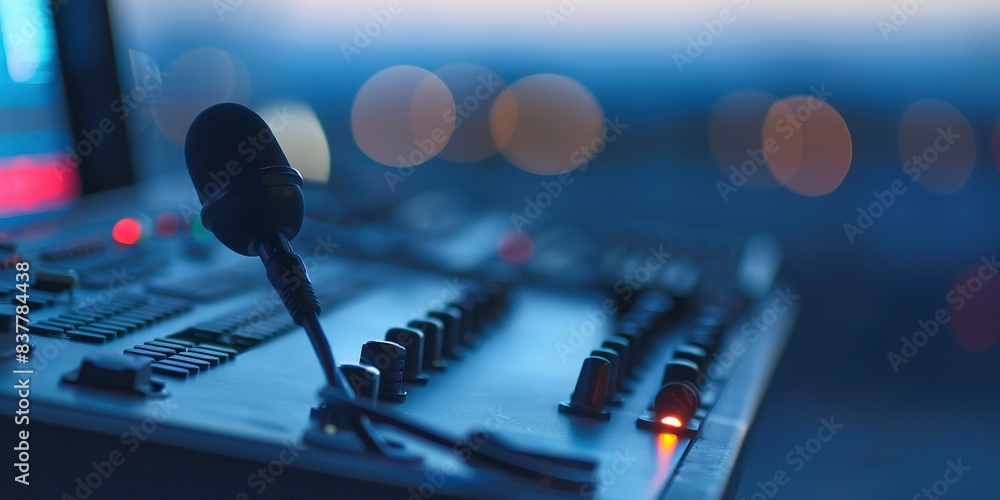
x=696, y=85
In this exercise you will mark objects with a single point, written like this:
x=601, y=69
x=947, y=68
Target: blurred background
x=864, y=135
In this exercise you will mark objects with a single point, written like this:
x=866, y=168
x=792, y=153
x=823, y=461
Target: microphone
x=252, y=202
x=247, y=189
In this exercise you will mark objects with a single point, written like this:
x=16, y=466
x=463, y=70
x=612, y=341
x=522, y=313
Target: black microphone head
x=248, y=190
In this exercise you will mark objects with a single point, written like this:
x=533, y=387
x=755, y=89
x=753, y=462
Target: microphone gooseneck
x=252, y=202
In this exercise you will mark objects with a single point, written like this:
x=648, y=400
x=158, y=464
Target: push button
x=161, y=350
x=156, y=356
x=200, y=363
x=162, y=368
x=188, y=367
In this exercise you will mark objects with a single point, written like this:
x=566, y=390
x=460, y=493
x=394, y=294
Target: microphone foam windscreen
x=228, y=143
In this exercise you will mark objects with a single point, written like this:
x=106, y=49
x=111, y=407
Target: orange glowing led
x=668, y=442
x=126, y=231
x=672, y=421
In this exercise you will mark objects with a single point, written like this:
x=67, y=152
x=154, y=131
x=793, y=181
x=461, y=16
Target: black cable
x=310, y=322
x=288, y=277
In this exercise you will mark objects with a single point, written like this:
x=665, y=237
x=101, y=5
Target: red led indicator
x=126, y=231
x=514, y=247
x=167, y=224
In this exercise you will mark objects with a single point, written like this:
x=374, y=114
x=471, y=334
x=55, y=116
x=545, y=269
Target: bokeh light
x=402, y=116
x=167, y=223
x=28, y=35
x=194, y=81
x=474, y=89
x=126, y=231
x=808, y=145
x=936, y=145
x=734, y=136
x=514, y=247
x=972, y=304
x=547, y=124
x=300, y=134
x=198, y=231
x=29, y=183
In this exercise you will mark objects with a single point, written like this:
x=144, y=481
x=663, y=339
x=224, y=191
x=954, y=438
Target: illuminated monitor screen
x=37, y=170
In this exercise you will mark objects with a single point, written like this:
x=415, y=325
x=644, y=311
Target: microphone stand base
x=340, y=424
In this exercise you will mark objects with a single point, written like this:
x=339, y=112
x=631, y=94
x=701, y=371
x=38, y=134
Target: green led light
x=198, y=231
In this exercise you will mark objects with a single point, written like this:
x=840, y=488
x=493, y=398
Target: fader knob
x=636, y=342
x=682, y=369
x=365, y=380
x=413, y=341
x=390, y=360
x=620, y=346
x=676, y=403
x=470, y=321
x=611, y=356
x=451, y=318
x=590, y=395
x=433, y=330
x=691, y=353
